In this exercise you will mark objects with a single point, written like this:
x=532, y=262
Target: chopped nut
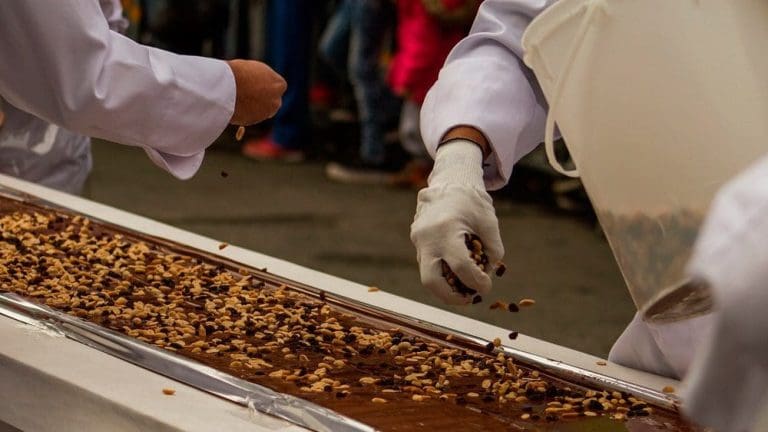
x=222, y=245
x=373, y=289
x=378, y=400
x=169, y=391
x=500, y=269
x=668, y=389
x=601, y=363
x=498, y=305
x=526, y=302
x=240, y=133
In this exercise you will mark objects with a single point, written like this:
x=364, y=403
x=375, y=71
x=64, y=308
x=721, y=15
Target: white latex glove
x=728, y=381
x=455, y=203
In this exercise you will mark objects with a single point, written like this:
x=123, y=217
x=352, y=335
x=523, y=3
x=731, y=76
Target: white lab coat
x=62, y=63
x=42, y=152
x=727, y=385
x=484, y=83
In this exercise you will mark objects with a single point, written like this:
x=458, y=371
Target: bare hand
x=259, y=91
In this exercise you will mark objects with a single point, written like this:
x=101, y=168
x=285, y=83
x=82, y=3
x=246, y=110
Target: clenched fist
x=259, y=91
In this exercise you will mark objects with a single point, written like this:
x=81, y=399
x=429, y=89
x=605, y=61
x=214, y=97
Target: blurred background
x=330, y=183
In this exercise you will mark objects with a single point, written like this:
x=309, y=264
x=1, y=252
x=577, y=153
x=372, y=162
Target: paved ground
x=361, y=233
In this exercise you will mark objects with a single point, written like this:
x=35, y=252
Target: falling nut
x=240, y=132
x=526, y=302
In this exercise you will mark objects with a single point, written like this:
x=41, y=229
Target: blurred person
x=289, y=38
x=483, y=114
x=133, y=12
x=193, y=27
x=354, y=44
x=427, y=30
x=89, y=79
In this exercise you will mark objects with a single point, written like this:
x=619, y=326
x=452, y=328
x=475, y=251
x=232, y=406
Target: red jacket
x=427, y=30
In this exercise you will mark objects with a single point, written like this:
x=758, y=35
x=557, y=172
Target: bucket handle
x=549, y=128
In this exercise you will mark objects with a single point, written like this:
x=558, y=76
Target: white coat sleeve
x=485, y=84
x=727, y=384
x=62, y=63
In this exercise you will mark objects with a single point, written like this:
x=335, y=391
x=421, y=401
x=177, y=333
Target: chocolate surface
x=291, y=339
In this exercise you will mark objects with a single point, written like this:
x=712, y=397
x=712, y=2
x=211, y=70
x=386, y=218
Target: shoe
x=414, y=174
x=265, y=149
x=359, y=173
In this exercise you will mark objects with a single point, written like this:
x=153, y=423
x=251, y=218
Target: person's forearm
x=70, y=69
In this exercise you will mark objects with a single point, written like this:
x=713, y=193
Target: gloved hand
x=259, y=91
x=454, y=204
x=727, y=384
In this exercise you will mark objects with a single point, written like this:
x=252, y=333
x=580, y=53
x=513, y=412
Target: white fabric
x=62, y=63
x=728, y=381
x=455, y=203
x=663, y=349
x=39, y=151
x=113, y=12
x=485, y=84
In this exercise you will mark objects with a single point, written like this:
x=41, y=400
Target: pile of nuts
x=478, y=255
x=268, y=334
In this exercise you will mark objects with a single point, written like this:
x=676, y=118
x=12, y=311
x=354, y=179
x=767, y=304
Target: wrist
x=470, y=134
x=459, y=161
x=237, y=75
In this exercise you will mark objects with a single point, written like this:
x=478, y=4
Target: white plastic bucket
x=659, y=102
